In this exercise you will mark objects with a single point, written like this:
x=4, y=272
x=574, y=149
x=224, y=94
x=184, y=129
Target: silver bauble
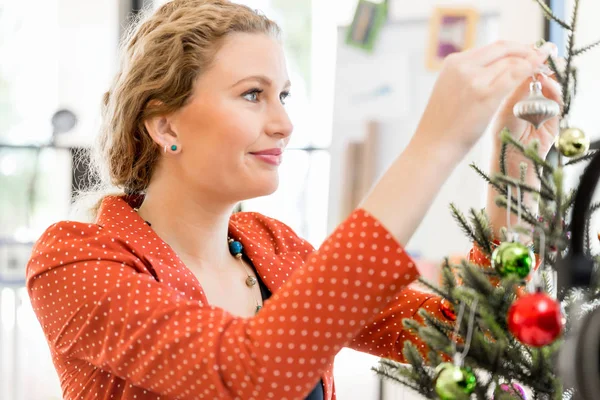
x=536, y=108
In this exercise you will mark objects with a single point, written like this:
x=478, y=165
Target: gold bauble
x=572, y=142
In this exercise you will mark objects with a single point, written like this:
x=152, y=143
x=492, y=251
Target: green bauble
x=441, y=367
x=513, y=258
x=455, y=383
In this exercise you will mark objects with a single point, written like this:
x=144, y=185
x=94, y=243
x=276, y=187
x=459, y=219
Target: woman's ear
x=160, y=129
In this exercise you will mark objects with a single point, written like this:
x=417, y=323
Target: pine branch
x=495, y=329
x=412, y=355
x=434, y=358
x=548, y=281
x=522, y=175
x=435, y=339
x=524, y=187
x=487, y=178
x=483, y=231
x=503, y=150
x=474, y=279
x=585, y=48
x=570, y=49
x=586, y=236
x=586, y=157
x=575, y=86
x=558, y=74
x=593, y=208
x=550, y=15
x=569, y=201
x=433, y=288
x=464, y=225
x=530, y=153
x=543, y=180
x=448, y=277
x=525, y=213
x=432, y=321
x=556, y=225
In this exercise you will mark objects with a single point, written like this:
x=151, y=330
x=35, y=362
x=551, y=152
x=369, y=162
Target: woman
x=159, y=297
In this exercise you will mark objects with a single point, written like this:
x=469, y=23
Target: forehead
x=246, y=54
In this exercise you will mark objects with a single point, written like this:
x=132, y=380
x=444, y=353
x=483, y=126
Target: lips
x=268, y=152
x=269, y=156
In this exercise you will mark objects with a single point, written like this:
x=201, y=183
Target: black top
x=318, y=393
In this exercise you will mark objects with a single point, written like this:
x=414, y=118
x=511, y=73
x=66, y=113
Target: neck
x=195, y=227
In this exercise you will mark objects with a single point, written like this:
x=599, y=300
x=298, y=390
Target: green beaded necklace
x=236, y=249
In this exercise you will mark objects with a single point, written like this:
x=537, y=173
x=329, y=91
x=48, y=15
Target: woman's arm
x=469, y=90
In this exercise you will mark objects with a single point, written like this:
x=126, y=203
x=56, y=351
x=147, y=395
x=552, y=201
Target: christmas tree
x=489, y=345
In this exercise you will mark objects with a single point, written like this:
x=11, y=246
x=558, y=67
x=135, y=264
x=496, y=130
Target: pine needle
x=483, y=230
x=585, y=48
x=486, y=178
x=549, y=14
x=586, y=157
x=464, y=225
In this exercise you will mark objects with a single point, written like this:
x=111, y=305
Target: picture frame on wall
x=368, y=20
x=451, y=30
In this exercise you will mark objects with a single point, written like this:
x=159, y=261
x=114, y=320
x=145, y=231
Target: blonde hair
x=163, y=54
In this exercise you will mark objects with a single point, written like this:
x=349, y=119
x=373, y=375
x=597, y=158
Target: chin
x=260, y=188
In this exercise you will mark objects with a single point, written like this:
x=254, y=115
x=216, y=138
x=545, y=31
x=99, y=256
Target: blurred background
x=362, y=72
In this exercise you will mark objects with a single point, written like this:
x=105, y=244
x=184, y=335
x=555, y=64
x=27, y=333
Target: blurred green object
x=368, y=20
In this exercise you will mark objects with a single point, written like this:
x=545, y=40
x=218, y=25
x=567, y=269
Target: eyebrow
x=262, y=79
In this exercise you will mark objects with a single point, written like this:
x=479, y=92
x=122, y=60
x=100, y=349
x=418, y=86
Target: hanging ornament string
x=512, y=257
x=508, y=211
x=460, y=357
x=535, y=284
x=452, y=380
x=511, y=235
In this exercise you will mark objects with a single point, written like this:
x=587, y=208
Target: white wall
x=520, y=20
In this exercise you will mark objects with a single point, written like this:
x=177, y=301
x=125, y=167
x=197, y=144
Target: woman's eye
x=252, y=95
x=284, y=96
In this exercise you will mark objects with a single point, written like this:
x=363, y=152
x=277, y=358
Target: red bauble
x=535, y=319
x=447, y=310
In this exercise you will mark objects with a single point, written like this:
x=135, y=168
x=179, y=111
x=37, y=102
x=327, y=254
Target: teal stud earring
x=173, y=147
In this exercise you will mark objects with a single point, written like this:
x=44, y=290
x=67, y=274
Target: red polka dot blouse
x=125, y=319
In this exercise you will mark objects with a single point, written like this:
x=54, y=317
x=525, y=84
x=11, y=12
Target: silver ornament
x=536, y=108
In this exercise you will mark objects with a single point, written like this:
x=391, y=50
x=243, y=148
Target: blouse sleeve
x=385, y=335
x=96, y=303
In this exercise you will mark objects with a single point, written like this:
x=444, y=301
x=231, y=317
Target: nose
x=279, y=123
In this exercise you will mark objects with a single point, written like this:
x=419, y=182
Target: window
x=28, y=98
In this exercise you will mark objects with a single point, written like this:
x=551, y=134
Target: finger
x=490, y=54
x=550, y=49
x=515, y=74
x=510, y=65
